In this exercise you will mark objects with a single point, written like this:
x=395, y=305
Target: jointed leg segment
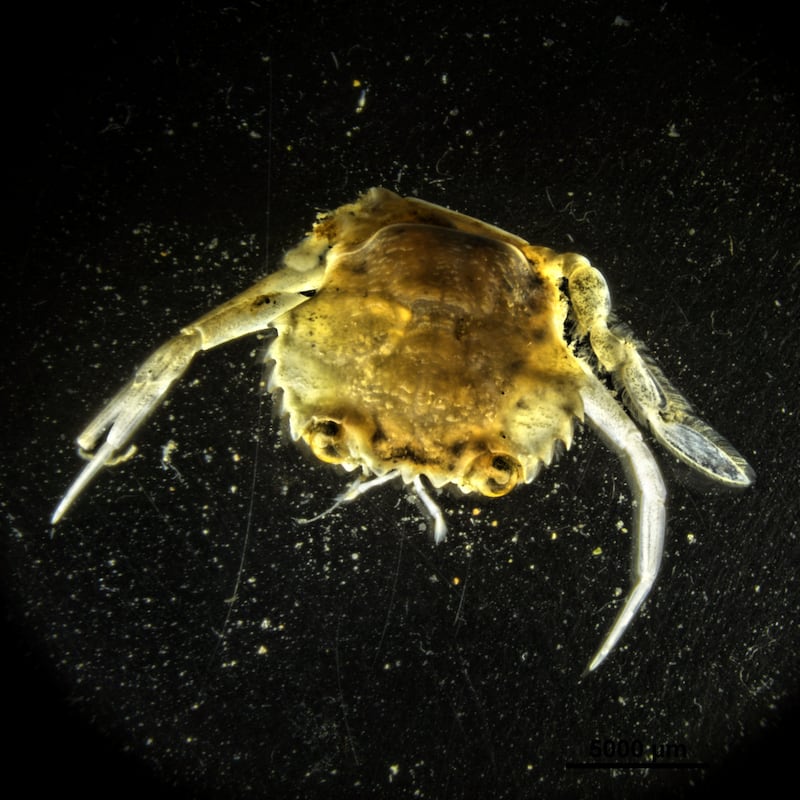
x=654, y=402
x=616, y=428
x=652, y=399
x=252, y=310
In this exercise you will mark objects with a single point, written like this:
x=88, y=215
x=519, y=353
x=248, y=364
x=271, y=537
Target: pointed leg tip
x=439, y=531
x=593, y=664
x=61, y=510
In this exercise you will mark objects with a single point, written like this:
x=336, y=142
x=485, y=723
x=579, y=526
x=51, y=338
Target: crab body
x=433, y=352
x=414, y=342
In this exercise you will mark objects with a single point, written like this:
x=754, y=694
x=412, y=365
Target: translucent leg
x=251, y=311
x=618, y=431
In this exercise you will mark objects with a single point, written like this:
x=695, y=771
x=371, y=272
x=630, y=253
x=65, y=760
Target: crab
x=418, y=344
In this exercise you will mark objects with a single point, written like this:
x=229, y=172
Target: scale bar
x=637, y=765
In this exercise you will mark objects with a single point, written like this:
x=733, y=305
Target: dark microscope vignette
x=52, y=743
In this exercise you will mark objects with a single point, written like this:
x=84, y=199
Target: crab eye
x=325, y=438
x=494, y=474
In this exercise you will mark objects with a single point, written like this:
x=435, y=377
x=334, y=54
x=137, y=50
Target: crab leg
x=252, y=310
x=356, y=489
x=439, y=525
x=649, y=495
x=653, y=400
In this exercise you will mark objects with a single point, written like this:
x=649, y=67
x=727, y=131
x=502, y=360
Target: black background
x=158, y=163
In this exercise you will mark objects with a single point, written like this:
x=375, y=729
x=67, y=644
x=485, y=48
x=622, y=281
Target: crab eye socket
x=325, y=437
x=494, y=474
